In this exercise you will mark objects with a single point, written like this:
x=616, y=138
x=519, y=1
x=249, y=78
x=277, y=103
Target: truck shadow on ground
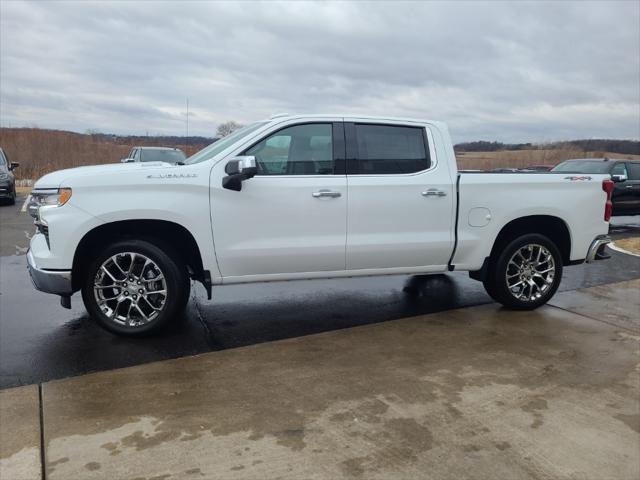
x=238, y=317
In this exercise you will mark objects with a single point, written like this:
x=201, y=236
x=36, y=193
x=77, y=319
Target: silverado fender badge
x=173, y=175
x=577, y=179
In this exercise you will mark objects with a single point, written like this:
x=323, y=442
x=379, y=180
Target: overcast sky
x=507, y=71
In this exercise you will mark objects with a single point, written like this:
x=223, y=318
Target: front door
x=291, y=217
x=400, y=213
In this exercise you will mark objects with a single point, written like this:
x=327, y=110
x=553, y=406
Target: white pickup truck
x=302, y=197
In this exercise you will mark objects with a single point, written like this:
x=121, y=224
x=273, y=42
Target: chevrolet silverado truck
x=303, y=197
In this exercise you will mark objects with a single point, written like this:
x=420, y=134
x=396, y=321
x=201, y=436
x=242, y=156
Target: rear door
x=401, y=200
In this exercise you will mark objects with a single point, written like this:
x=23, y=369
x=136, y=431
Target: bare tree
x=226, y=128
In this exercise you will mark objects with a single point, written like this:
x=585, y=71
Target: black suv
x=625, y=174
x=7, y=179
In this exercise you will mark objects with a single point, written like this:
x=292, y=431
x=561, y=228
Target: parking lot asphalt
x=479, y=392
x=40, y=341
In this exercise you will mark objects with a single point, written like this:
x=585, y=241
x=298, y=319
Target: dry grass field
x=42, y=151
x=525, y=158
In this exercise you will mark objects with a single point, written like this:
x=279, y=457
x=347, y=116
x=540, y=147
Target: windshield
x=169, y=156
x=216, y=147
x=583, y=166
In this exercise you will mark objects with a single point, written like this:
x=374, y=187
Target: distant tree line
x=484, y=146
x=143, y=139
x=626, y=147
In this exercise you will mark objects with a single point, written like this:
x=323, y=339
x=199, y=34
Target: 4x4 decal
x=577, y=179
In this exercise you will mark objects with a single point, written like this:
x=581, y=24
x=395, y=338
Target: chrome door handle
x=434, y=192
x=326, y=193
x=629, y=186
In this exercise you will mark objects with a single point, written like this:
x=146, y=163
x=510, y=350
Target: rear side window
x=387, y=150
x=634, y=171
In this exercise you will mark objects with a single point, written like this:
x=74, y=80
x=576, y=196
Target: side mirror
x=619, y=178
x=13, y=166
x=238, y=170
x=127, y=160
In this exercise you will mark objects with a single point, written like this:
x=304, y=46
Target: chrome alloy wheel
x=130, y=289
x=530, y=272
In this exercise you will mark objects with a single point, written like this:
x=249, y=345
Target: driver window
x=298, y=150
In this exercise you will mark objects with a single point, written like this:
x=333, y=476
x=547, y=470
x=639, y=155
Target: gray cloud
x=493, y=70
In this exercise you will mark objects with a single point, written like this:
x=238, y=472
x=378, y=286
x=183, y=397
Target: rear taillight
x=607, y=186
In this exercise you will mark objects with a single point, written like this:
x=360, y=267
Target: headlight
x=55, y=197
x=4, y=176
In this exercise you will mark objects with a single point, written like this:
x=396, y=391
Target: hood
x=57, y=178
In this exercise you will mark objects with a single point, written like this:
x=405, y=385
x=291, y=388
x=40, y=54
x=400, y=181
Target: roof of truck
x=287, y=116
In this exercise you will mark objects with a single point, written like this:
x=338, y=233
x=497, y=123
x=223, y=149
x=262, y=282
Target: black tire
x=495, y=282
x=170, y=307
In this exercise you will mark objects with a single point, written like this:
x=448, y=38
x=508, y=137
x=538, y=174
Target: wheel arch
x=158, y=232
x=553, y=227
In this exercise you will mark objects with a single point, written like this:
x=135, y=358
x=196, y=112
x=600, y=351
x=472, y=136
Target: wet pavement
x=479, y=392
x=40, y=341
x=625, y=227
x=20, y=433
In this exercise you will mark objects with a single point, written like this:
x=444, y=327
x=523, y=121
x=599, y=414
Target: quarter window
x=298, y=150
x=385, y=149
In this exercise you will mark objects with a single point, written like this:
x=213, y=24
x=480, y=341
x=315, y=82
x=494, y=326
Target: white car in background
x=300, y=197
x=155, y=154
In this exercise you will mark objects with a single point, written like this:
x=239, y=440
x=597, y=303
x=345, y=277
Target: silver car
x=155, y=154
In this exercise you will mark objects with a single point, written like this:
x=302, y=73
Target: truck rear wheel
x=526, y=273
x=135, y=288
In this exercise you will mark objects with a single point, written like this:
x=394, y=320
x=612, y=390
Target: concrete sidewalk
x=478, y=393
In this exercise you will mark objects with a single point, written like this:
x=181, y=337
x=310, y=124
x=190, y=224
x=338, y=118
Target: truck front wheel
x=135, y=287
x=526, y=273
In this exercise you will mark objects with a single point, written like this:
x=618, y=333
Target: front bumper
x=49, y=281
x=596, y=250
x=6, y=189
